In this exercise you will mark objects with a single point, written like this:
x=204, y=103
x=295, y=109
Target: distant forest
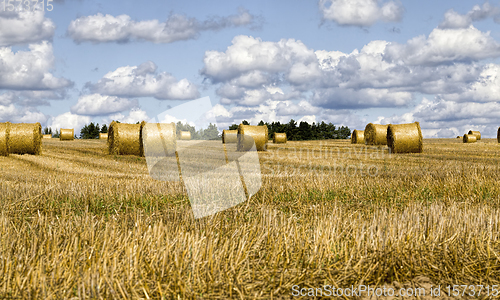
x=302, y=131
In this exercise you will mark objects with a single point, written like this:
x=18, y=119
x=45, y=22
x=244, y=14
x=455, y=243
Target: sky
x=349, y=62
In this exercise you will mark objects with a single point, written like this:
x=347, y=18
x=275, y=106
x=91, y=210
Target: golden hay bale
x=159, y=139
x=67, y=134
x=25, y=138
x=476, y=133
x=125, y=139
x=4, y=138
x=229, y=136
x=358, y=137
x=248, y=134
x=469, y=138
x=376, y=134
x=459, y=137
x=405, y=138
x=185, y=135
x=47, y=136
x=103, y=136
x=279, y=138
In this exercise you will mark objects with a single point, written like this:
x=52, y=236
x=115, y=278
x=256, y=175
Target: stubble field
x=77, y=222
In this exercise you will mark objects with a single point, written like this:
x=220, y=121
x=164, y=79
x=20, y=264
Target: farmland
x=77, y=222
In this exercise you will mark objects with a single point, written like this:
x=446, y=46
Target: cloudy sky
x=349, y=62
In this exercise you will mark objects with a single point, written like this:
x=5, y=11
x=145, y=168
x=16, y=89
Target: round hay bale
x=376, y=134
x=459, y=137
x=358, y=137
x=185, y=135
x=125, y=139
x=159, y=139
x=476, y=133
x=405, y=138
x=4, y=138
x=469, y=138
x=47, y=136
x=248, y=134
x=67, y=134
x=25, y=138
x=229, y=136
x=279, y=138
x=103, y=136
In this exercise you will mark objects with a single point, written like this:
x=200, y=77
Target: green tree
x=245, y=122
x=233, y=127
x=47, y=130
x=211, y=133
x=90, y=131
x=304, y=131
x=104, y=129
x=261, y=123
x=291, y=130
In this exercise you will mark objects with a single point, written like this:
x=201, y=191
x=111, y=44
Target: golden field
x=76, y=222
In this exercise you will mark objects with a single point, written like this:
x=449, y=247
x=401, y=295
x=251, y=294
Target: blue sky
x=346, y=62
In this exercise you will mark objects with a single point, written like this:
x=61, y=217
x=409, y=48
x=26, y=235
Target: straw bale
x=159, y=139
x=47, y=136
x=67, y=134
x=185, y=135
x=375, y=134
x=405, y=138
x=469, y=138
x=358, y=137
x=25, y=138
x=4, y=138
x=459, y=137
x=248, y=134
x=229, y=136
x=476, y=133
x=103, y=136
x=125, y=139
x=279, y=138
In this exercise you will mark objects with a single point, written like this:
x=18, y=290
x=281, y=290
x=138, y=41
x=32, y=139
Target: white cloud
x=360, y=12
x=486, y=88
x=29, y=69
x=69, y=120
x=96, y=104
x=453, y=19
x=134, y=116
x=144, y=81
x=101, y=28
x=24, y=27
x=338, y=98
x=445, y=46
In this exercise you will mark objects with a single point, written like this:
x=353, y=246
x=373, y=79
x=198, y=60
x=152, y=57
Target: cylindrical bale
x=25, y=138
x=476, y=133
x=358, y=137
x=469, y=138
x=103, y=136
x=248, y=134
x=459, y=137
x=279, y=137
x=67, y=134
x=405, y=138
x=185, y=135
x=376, y=134
x=4, y=138
x=159, y=139
x=47, y=136
x=229, y=136
x=125, y=139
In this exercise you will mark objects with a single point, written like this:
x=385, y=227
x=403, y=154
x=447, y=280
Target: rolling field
x=77, y=222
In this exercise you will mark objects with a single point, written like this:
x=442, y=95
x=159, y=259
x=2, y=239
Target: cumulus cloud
x=29, y=70
x=134, y=116
x=445, y=46
x=486, y=87
x=96, y=104
x=11, y=113
x=453, y=19
x=69, y=120
x=101, y=28
x=338, y=98
x=360, y=12
x=24, y=27
x=144, y=81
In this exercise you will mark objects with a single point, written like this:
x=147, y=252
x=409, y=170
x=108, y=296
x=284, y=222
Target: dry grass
x=77, y=222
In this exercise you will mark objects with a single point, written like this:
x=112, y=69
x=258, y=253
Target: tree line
x=302, y=131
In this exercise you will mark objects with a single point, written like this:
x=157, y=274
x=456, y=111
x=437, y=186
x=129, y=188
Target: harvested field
x=79, y=222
